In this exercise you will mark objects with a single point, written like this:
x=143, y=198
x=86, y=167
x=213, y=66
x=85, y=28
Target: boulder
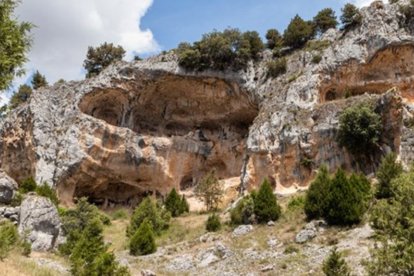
x=305, y=235
x=40, y=223
x=146, y=272
x=7, y=188
x=242, y=230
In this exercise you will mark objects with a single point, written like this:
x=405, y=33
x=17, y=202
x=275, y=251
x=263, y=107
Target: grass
x=317, y=45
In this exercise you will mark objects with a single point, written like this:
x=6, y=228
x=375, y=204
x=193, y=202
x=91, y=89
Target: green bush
x=276, y=67
x=298, y=32
x=324, y=20
x=274, y=39
x=316, y=59
x=388, y=170
x=351, y=16
x=8, y=238
x=143, y=241
x=100, y=57
x=26, y=248
x=359, y=129
x=17, y=199
x=174, y=204
x=335, y=265
x=265, y=204
x=120, y=214
x=213, y=223
x=316, y=197
x=243, y=213
x=27, y=185
x=209, y=190
x=148, y=209
x=21, y=96
x=185, y=208
x=46, y=191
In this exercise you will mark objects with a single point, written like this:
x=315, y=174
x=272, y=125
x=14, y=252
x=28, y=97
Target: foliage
x=143, y=241
x=38, y=80
x=8, y=238
x=243, y=213
x=335, y=265
x=101, y=57
x=316, y=59
x=14, y=43
x=175, y=204
x=274, y=39
x=316, y=197
x=324, y=20
x=297, y=202
x=220, y=50
x=276, y=67
x=359, y=129
x=393, y=219
x=388, y=170
x=185, y=208
x=21, y=96
x=148, y=209
x=317, y=45
x=213, y=223
x=28, y=185
x=46, y=191
x=298, y=32
x=408, y=14
x=265, y=204
x=120, y=214
x=351, y=16
x=26, y=248
x=17, y=199
x=209, y=190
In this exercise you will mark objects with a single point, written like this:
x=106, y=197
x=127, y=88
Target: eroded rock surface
x=7, y=188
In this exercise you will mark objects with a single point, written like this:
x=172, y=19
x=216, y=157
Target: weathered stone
x=305, y=235
x=242, y=230
x=147, y=272
x=40, y=222
x=270, y=223
x=7, y=188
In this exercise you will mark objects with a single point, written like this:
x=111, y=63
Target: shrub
x=38, y=80
x=143, y=241
x=316, y=59
x=387, y=171
x=243, y=213
x=21, y=96
x=274, y=39
x=209, y=190
x=101, y=57
x=26, y=248
x=298, y=32
x=8, y=238
x=17, y=199
x=350, y=17
x=277, y=67
x=316, y=197
x=173, y=203
x=120, y=214
x=335, y=265
x=408, y=14
x=265, y=204
x=148, y=209
x=28, y=185
x=324, y=20
x=185, y=208
x=359, y=129
x=213, y=223
x=46, y=191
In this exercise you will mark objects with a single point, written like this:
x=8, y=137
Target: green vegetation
x=27, y=185
x=359, y=129
x=298, y=32
x=8, y=238
x=101, y=57
x=229, y=49
x=243, y=212
x=408, y=12
x=335, y=265
x=148, y=209
x=38, y=80
x=209, y=191
x=175, y=204
x=351, y=16
x=276, y=67
x=387, y=171
x=317, y=45
x=14, y=43
x=21, y=96
x=46, y=191
x=143, y=241
x=265, y=204
x=274, y=39
x=340, y=200
x=213, y=223
x=316, y=59
x=120, y=214
x=324, y=20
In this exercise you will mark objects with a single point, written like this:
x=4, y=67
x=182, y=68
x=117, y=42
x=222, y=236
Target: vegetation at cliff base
x=209, y=190
x=213, y=223
x=175, y=204
x=143, y=240
x=335, y=265
x=388, y=170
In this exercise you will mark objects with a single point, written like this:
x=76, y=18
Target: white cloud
x=363, y=3
x=65, y=29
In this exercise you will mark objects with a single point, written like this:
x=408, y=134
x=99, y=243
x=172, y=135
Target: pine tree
x=143, y=241
x=265, y=204
x=335, y=265
x=315, y=202
x=387, y=171
x=185, y=208
x=324, y=20
x=213, y=223
x=298, y=32
x=38, y=80
x=101, y=57
x=350, y=17
x=274, y=39
x=173, y=203
x=21, y=96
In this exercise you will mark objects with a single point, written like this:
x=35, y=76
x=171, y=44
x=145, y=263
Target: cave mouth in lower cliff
x=389, y=67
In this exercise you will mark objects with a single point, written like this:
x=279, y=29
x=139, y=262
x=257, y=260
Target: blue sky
x=172, y=22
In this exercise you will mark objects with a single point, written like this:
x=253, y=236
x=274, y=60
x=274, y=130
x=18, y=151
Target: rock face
x=149, y=125
x=39, y=220
x=7, y=188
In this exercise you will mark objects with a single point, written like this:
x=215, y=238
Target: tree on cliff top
x=101, y=57
x=38, y=80
x=14, y=43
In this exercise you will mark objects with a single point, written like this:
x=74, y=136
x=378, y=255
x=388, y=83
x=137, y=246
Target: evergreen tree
x=315, y=202
x=324, y=20
x=335, y=265
x=243, y=213
x=173, y=203
x=265, y=204
x=101, y=57
x=387, y=171
x=274, y=39
x=21, y=96
x=209, y=190
x=38, y=80
x=213, y=223
x=185, y=208
x=14, y=43
x=143, y=241
x=298, y=32
x=350, y=17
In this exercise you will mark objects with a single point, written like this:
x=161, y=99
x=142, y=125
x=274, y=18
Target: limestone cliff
x=149, y=125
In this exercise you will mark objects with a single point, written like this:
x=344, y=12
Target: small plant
x=27, y=185
x=8, y=238
x=26, y=248
x=213, y=223
x=185, y=208
x=335, y=265
x=316, y=58
x=120, y=214
x=317, y=45
x=291, y=249
x=143, y=241
x=276, y=67
x=17, y=199
x=46, y=191
x=243, y=213
x=265, y=204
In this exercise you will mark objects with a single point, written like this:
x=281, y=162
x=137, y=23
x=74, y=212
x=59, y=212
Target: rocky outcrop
x=7, y=188
x=147, y=126
x=40, y=223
